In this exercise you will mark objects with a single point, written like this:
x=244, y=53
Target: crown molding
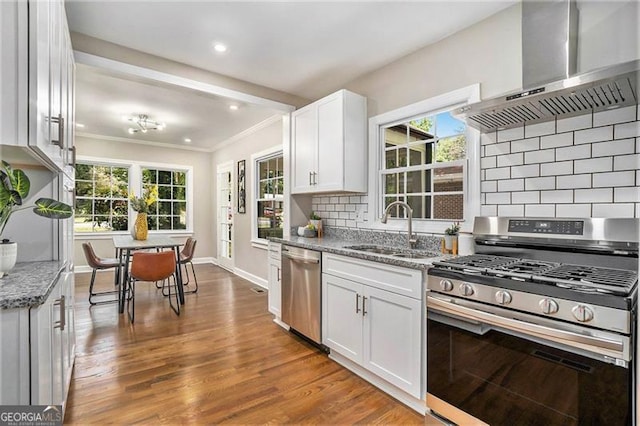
x=261, y=125
x=141, y=142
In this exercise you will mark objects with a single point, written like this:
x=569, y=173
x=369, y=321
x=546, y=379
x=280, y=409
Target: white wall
x=203, y=189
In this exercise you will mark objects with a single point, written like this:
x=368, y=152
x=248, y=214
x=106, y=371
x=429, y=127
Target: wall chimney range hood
x=551, y=87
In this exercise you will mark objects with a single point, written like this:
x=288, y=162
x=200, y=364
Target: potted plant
x=316, y=221
x=450, y=235
x=14, y=189
x=142, y=205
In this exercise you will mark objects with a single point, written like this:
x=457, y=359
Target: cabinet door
x=275, y=293
x=330, y=169
x=392, y=338
x=342, y=316
x=68, y=333
x=303, y=144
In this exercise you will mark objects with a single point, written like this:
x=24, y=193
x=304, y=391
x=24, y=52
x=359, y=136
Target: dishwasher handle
x=300, y=259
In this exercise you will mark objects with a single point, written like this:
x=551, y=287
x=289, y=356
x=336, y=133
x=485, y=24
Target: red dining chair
x=149, y=266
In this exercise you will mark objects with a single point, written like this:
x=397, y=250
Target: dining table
x=125, y=244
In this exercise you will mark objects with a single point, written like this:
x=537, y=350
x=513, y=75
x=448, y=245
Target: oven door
x=488, y=364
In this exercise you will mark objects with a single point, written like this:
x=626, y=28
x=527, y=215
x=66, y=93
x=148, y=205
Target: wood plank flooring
x=222, y=361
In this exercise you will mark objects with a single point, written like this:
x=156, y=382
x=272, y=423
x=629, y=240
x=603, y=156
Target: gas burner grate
x=476, y=262
x=590, y=278
x=524, y=269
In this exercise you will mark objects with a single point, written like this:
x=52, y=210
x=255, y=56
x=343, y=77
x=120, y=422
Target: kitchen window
x=425, y=157
x=103, y=187
x=268, y=172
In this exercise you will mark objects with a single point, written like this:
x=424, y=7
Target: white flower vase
x=8, y=255
x=448, y=241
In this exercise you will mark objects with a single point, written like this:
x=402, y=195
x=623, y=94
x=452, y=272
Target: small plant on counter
x=314, y=216
x=14, y=189
x=454, y=229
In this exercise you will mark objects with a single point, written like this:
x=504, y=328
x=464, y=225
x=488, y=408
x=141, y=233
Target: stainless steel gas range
x=537, y=327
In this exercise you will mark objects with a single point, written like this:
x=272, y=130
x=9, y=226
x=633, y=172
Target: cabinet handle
x=279, y=277
x=62, y=322
x=364, y=309
x=310, y=181
x=315, y=178
x=60, y=120
x=357, y=303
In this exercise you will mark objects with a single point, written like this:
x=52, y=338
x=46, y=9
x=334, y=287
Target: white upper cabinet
x=328, y=145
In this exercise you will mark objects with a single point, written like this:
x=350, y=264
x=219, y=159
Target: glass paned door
x=225, y=215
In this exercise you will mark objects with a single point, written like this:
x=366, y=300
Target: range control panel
x=563, y=227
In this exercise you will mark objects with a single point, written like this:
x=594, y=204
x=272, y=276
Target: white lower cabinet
x=377, y=329
x=275, y=279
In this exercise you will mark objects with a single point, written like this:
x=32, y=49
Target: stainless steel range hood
x=549, y=46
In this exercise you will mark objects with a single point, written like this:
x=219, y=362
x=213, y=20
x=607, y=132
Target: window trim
x=274, y=151
x=135, y=183
x=471, y=184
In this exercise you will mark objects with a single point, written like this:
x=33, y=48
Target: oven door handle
x=594, y=344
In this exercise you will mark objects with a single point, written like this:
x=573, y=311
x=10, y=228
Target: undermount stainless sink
x=390, y=251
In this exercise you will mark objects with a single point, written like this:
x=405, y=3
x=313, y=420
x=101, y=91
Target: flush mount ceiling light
x=144, y=123
x=187, y=140
x=219, y=47
x=233, y=107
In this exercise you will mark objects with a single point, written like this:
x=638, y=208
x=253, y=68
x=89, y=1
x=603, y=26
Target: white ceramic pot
x=8, y=255
x=448, y=241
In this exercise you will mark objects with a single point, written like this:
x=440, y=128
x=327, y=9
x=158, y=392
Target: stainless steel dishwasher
x=301, y=291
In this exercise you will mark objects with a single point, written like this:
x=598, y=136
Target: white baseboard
x=408, y=400
x=199, y=260
x=252, y=278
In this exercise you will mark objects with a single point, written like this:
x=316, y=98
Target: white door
x=342, y=316
x=392, y=338
x=225, y=215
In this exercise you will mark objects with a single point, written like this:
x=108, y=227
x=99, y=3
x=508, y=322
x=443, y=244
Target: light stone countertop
x=337, y=246
x=28, y=284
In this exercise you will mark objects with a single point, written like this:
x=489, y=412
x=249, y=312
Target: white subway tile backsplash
x=532, y=184
x=597, y=134
x=488, y=162
x=556, y=197
x=330, y=222
x=498, y=198
x=557, y=168
x=575, y=123
x=601, y=195
x=626, y=195
x=573, y=181
x=497, y=149
x=530, y=144
x=537, y=210
x=344, y=200
x=613, y=179
x=343, y=215
x=353, y=215
x=593, y=165
x=334, y=215
x=334, y=200
x=555, y=141
x=350, y=207
x=486, y=210
x=501, y=173
x=364, y=199
x=525, y=171
x=626, y=162
x=489, y=186
x=525, y=197
x=329, y=207
x=488, y=138
x=511, y=134
x=613, y=210
x=614, y=116
x=508, y=185
x=341, y=222
x=354, y=199
x=573, y=152
x=540, y=129
x=627, y=130
x=619, y=147
x=511, y=160
x=638, y=143
x=350, y=223
x=573, y=210
x=325, y=200
x=543, y=156
x=511, y=210
x=340, y=207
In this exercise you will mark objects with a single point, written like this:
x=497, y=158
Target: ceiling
x=304, y=48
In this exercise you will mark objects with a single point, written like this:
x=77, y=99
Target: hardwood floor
x=223, y=360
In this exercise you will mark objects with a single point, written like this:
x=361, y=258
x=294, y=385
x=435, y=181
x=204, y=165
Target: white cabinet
x=377, y=329
x=329, y=145
x=275, y=279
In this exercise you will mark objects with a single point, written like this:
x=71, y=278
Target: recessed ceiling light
x=187, y=140
x=233, y=107
x=80, y=125
x=219, y=47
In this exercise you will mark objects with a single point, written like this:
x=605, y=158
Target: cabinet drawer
x=396, y=279
x=275, y=251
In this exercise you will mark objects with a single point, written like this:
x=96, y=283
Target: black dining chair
x=159, y=266
x=100, y=263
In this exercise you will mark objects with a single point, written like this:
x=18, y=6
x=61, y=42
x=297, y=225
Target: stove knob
x=466, y=289
x=582, y=313
x=548, y=306
x=446, y=285
x=503, y=297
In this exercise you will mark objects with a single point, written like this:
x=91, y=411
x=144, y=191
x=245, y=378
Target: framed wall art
x=242, y=199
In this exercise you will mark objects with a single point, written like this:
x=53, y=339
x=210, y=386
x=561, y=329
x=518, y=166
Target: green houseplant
x=450, y=235
x=14, y=189
x=316, y=221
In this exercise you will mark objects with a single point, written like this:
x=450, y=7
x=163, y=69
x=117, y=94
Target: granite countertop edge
x=29, y=284
x=337, y=246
